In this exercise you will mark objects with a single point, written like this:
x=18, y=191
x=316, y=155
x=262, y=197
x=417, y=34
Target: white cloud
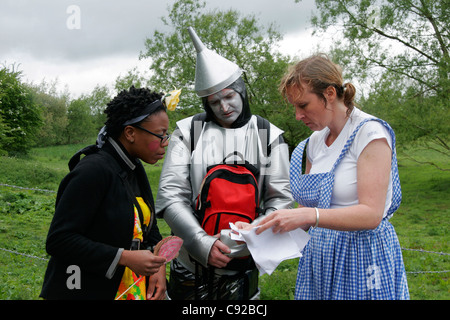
x=111, y=35
x=79, y=78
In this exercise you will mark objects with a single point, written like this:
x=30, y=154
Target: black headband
x=146, y=111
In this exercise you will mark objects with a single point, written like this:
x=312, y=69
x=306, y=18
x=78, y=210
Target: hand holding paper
x=269, y=249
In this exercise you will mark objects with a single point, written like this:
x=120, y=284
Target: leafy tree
x=19, y=114
x=4, y=138
x=419, y=120
x=407, y=37
x=80, y=121
x=238, y=38
x=398, y=50
x=53, y=107
x=132, y=78
x=97, y=101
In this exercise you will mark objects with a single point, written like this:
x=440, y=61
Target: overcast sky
x=49, y=42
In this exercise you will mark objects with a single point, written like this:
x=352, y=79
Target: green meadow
x=422, y=224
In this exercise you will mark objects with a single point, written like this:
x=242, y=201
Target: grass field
x=422, y=223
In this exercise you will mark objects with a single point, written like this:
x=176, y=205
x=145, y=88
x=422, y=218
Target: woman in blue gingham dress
x=363, y=264
x=348, y=193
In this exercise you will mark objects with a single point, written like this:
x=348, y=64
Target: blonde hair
x=318, y=72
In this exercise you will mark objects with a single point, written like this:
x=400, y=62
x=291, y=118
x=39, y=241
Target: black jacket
x=94, y=217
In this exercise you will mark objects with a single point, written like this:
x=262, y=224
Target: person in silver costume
x=203, y=268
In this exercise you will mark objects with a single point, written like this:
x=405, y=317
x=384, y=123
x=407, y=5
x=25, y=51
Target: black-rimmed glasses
x=163, y=138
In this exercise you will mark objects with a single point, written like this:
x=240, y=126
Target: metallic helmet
x=212, y=72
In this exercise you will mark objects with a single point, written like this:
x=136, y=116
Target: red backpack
x=229, y=193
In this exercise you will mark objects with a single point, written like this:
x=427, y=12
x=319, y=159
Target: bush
x=30, y=174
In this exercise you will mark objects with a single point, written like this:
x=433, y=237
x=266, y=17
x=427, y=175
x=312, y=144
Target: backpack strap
x=77, y=156
x=194, y=139
x=91, y=149
x=261, y=123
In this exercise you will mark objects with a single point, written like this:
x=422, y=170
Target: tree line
x=396, y=51
x=37, y=115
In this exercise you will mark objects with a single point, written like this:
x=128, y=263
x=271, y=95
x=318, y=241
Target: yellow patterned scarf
x=138, y=290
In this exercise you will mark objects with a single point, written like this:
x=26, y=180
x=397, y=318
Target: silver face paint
x=227, y=106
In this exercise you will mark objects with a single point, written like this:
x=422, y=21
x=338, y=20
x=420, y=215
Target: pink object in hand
x=168, y=247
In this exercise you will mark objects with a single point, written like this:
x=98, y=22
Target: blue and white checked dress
x=347, y=265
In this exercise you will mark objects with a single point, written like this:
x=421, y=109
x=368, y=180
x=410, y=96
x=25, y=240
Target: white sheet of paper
x=269, y=249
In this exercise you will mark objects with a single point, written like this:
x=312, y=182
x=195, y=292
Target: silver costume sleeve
x=184, y=225
x=173, y=201
x=174, y=185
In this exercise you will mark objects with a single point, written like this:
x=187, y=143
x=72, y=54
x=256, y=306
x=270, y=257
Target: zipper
x=218, y=214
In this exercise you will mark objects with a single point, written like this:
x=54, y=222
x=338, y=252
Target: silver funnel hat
x=212, y=72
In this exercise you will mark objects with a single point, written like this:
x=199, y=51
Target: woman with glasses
x=104, y=227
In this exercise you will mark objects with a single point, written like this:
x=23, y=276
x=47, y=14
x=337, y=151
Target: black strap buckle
x=135, y=244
